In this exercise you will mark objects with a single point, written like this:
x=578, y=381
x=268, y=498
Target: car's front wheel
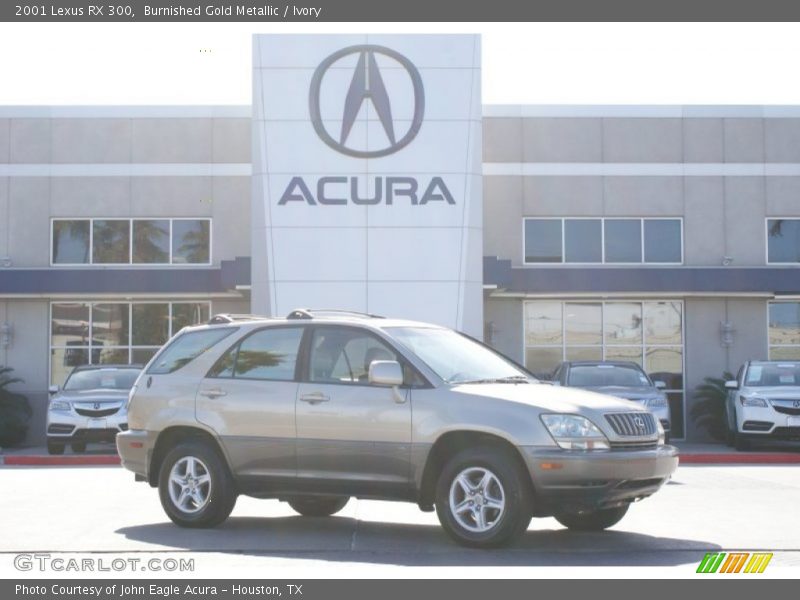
x=318, y=506
x=740, y=442
x=483, y=498
x=595, y=520
x=195, y=486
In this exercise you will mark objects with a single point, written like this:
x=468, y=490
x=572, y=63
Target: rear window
x=186, y=348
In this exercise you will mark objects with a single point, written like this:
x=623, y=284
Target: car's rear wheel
x=55, y=447
x=318, y=506
x=595, y=520
x=483, y=499
x=78, y=446
x=195, y=486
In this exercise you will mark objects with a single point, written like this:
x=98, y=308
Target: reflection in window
x=623, y=240
x=662, y=240
x=583, y=323
x=111, y=241
x=71, y=242
x=344, y=356
x=543, y=241
x=269, y=354
x=190, y=241
x=150, y=324
x=583, y=241
x=783, y=240
x=623, y=323
x=151, y=241
x=784, y=330
x=647, y=333
x=115, y=336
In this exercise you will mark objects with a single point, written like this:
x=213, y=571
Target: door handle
x=314, y=398
x=214, y=393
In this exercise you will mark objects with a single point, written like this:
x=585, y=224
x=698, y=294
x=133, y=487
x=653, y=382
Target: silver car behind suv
x=623, y=379
x=90, y=407
x=325, y=405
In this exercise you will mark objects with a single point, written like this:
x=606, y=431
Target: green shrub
x=15, y=411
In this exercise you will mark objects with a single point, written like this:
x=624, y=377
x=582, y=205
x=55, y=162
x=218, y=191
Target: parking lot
x=68, y=510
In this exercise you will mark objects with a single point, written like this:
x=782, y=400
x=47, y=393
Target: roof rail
x=231, y=318
x=310, y=313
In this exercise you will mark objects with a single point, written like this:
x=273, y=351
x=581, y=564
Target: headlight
x=753, y=401
x=60, y=405
x=574, y=432
x=655, y=402
x=661, y=435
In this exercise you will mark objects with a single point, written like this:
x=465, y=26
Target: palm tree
x=709, y=407
x=15, y=412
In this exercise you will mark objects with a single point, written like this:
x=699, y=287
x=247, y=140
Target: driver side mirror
x=53, y=389
x=660, y=385
x=732, y=384
x=385, y=372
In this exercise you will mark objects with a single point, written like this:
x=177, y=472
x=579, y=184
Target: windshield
x=606, y=376
x=101, y=379
x=454, y=357
x=772, y=374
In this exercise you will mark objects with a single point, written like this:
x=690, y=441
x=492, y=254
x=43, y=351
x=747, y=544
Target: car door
x=248, y=399
x=349, y=432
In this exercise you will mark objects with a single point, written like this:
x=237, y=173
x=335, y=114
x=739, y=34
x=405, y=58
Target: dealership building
x=367, y=175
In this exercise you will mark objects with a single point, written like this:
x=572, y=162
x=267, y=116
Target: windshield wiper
x=510, y=379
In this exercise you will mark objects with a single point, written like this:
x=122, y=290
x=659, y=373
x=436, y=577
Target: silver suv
x=90, y=407
x=325, y=405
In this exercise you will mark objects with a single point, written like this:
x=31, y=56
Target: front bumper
x=135, y=449
x=572, y=481
x=67, y=426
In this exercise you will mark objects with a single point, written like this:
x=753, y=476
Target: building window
x=601, y=240
x=84, y=333
x=131, y=241
x=784, y=330
x=783, y=241
x=649, y=333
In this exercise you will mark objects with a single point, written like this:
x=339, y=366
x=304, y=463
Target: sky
x=523, y=63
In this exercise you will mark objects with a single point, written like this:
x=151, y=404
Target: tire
x=78, y=447
x=666, y=438
x=729, y=438
x=318, y=506
x=502, y=480
x=596, y=520
x=54, y=448
x=740, y=442
x=208, y=497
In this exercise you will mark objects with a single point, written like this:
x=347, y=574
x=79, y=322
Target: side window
x=340, y=355
x=267, y=354
x=185, y=348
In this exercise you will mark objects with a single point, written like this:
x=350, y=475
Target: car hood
x=550, y=398
x=779, y=391
x=629, y=393
x=93, y=395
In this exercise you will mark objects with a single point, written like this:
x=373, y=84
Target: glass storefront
x=649, y=333
x=114, y=332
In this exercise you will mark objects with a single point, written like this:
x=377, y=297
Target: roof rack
x=310, y=313
x=231, y=318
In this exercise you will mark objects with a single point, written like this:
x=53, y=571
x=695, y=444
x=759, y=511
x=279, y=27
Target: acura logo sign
x=367, y=85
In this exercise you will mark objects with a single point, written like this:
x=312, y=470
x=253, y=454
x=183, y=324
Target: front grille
x=635, y=424
x=638, y=445
x=59, y=428
x=787, y=410
x=103, y=412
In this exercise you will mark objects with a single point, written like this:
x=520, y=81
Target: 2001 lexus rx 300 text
x=323, y=406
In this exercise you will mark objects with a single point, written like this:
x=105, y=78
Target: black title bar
x=398, y=10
